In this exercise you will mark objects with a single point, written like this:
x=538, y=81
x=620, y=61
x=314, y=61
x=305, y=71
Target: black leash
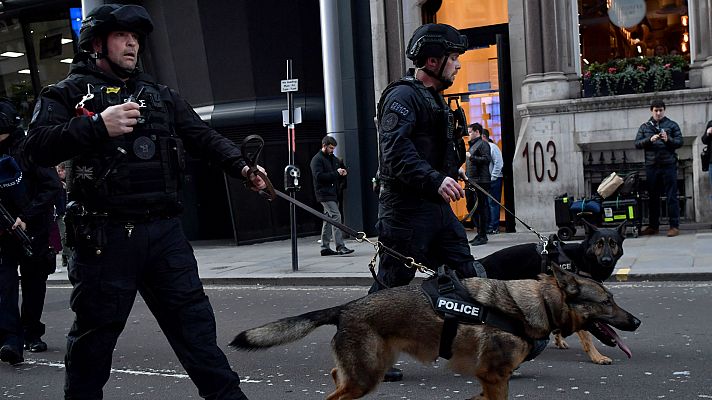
x=270, y=193
x=471, y=185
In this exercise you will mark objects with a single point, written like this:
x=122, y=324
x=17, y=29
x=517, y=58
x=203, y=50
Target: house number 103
x=536, y=159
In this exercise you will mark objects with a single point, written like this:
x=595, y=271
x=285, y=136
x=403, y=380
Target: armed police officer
x=124, y=139
x=418, y=164
x=28, y=192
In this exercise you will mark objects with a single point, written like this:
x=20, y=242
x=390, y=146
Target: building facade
x=524, y=78
x=227, y=59
x=563, y=138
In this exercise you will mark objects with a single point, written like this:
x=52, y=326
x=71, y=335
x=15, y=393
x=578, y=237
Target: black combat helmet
x=108, y=18
x=435, y=40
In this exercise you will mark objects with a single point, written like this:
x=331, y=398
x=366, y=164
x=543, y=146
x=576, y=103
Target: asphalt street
x=670, y=352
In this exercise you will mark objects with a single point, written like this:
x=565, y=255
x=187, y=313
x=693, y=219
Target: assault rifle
x=6, y=223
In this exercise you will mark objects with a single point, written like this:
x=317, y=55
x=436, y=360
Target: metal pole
x=292, y=141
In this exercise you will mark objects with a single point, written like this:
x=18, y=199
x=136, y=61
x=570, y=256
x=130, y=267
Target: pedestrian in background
x=707, y=140
x=478, y=164
x=659, y=137
x=495, y=168
x=328, y=173
x=125, y=134
x=60, y=210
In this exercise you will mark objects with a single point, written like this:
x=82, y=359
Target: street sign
x=297, y=116
x=290, y=85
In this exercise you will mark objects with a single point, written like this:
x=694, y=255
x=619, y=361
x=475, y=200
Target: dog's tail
x=286, y=330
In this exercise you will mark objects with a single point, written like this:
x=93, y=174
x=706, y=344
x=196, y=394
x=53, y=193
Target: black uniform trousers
x=157, y=261
x=423, y=229
x=482, y=213
x=10, y=326
x=18, y=325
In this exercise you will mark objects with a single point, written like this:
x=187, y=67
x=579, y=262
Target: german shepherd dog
x=373, y=330
x=595, y=257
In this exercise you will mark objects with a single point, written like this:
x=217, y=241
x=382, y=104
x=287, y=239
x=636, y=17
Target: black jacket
x=57, y=134
x=659, y=153
x=478, y=164
x=326, y=178
x=417, y=148
x=707, y=139
x=42, y=187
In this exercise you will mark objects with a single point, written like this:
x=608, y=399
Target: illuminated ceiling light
x=66, y=60
x=684, y=47
x=639, y=49
x=586, y=61
x=65, y=41
x=23, y=71
x=12, y=54
x=684, y=20
x=685, y=37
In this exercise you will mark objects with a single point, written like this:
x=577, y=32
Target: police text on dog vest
x=454, y=306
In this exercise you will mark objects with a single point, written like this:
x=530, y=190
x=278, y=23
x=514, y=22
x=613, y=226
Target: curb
x=286, y=280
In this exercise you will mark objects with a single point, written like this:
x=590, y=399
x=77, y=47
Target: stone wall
x=554, y=135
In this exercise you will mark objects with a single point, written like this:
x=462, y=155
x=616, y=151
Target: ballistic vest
x=137, y=174
x=437, y=142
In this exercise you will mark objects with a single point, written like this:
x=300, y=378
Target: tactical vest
x=443, y=156
x=137, y=174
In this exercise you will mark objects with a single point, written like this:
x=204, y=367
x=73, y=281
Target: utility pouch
x=84, y=230
x=91, y=235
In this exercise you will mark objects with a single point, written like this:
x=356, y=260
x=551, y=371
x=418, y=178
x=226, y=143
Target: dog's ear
x=590, y=228
x=566, y=280
x=621, y=228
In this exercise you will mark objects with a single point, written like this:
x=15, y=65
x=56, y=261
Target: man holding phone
x=659, y=137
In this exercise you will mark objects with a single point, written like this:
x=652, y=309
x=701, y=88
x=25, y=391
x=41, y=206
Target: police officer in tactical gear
x=28, y=192
x=419, y=163
x=125, y=139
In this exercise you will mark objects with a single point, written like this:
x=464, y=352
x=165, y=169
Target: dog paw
x=560, y=343
x=602, y=360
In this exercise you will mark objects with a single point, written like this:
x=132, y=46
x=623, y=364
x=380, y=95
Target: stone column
x=545, y=46
x=88, y=5
x=700, y=28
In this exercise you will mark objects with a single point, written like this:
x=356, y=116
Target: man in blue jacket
x=328, y=174
x=659, y=137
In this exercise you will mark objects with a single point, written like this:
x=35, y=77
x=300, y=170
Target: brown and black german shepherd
x=595, y=257
x=373, y=330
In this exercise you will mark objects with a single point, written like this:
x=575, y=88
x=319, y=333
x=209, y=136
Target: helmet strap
x=446, y=83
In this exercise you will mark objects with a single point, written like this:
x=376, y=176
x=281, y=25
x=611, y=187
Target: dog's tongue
x=617, y=338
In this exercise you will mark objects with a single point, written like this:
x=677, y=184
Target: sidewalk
x=685, y=257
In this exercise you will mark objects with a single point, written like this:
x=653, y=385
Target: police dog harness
x=552, y=253
x=452, y=301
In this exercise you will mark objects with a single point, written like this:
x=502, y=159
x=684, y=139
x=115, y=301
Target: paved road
x=670, y=353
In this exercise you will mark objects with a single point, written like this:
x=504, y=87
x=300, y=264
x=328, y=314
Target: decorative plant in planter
x=635, y=75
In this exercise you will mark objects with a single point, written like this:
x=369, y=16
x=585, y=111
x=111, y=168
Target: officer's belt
x=453, y=302
x=120, y=217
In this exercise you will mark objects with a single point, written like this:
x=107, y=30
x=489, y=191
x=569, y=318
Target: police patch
x=144, y=148
x=389, y=122
x=399, y=108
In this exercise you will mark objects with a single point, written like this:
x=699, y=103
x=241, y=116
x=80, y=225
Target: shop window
x=15, y=80
x=633, y=46
x=54, y=49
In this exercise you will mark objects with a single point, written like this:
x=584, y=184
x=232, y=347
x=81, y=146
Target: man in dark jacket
x=479, y=158
x=328, y=174
x=659, y=137
x=124, y=134
x=34, y=209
